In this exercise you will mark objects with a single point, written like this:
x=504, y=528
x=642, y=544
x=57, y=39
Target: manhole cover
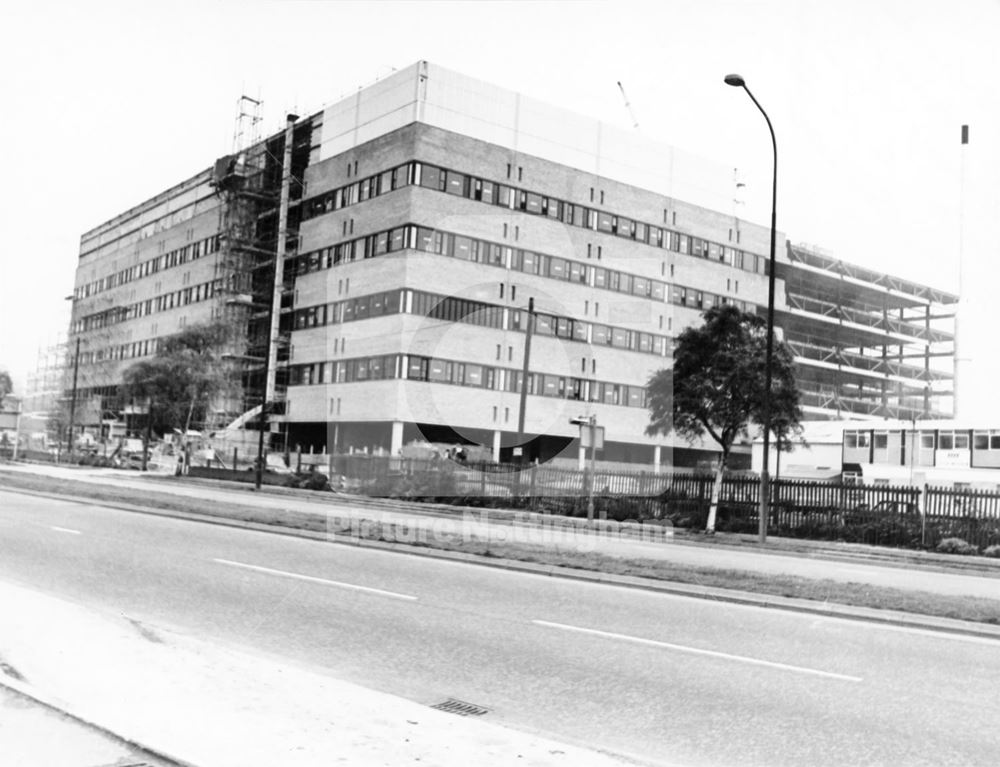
x=461, y=708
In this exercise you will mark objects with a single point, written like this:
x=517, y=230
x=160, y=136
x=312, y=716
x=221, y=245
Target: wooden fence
x=877, y=514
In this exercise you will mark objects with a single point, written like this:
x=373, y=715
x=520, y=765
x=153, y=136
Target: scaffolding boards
x=247, y=248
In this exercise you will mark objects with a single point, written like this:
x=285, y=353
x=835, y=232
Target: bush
x=992, y=551
x=884, y=532
x=956, y=546
x=308, y=480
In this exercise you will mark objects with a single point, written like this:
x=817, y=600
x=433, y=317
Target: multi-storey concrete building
x=425, y=213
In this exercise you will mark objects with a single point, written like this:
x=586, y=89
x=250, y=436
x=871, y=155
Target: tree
x=195, y=356
x=181, y=379
x=156, y=383
x=717, y=385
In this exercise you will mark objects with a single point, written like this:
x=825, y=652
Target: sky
x=106, y=104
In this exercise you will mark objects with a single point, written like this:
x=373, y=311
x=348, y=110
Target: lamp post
x=764, y=506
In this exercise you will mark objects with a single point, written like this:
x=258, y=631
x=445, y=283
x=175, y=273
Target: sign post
x=593, y=438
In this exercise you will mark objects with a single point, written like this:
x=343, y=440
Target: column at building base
x=396, y=440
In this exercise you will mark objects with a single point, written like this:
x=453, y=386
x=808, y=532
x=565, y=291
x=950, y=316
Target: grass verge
x=860, y=595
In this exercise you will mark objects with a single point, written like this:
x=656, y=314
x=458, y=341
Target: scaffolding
x=258, y=220
x=246, y=250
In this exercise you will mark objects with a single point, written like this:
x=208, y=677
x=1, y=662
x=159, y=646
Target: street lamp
x=764, y=507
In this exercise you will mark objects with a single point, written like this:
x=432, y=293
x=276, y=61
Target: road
x=667, y=679
x=909, y=577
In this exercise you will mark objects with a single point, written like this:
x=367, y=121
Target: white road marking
x=314, y=579
x=699, y=651
x=65, y=530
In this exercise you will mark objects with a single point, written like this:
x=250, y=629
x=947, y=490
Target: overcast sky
x=107, y=104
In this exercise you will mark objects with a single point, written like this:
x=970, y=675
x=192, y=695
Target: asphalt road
x=920, y=578
x=665, y=678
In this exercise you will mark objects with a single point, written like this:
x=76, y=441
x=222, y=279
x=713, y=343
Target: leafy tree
x=195, y=356
x=717, y=385
x=182, y=378
x=157, y=383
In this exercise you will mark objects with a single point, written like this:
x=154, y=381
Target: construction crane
x=635, y=123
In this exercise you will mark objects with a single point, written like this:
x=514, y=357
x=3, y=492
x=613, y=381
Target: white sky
x=106, y=104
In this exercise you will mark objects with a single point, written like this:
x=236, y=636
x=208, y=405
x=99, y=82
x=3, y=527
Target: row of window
x=431, y=369
x=482, y=251
x=929, y=440
x=492, y=193
x=161, y=303
x=120, y=352
x=174, y=258
x=453, y=245
x=451, y=309
x=359, y=191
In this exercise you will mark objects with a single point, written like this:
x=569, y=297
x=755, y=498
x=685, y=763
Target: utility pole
x=524, y=379
x=148, y=435
x=72, y=402
x=593, y=467
x=17, y=428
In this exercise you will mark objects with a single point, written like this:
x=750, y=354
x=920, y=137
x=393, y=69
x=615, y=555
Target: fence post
x=531, y=487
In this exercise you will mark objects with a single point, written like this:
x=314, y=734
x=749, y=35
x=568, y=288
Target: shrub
x=956, y=546
x=992, y=551
x=883, y=532
x=307, y=480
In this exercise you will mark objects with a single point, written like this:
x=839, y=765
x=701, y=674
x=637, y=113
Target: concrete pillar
x=396, y=441
x=657, y=451
x=496, y=445
x=581, y=458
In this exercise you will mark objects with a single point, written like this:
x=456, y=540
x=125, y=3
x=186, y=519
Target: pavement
x=33, y=734
x=196, y=703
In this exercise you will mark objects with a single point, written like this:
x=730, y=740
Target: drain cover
x=461, y=708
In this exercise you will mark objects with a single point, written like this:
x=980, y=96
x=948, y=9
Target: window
x=856, y=440
x=431, y=177
x=397, y=239
x=881, y=440
x=455, y=183
x=927, y=440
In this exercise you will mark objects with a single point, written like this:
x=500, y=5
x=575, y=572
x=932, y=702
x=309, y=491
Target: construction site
x=225, y=228
x=317, y=250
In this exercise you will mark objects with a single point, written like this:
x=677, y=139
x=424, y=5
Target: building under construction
x=373, y=257
x=202, y=252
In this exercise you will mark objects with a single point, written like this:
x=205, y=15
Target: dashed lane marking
x=700, y=651
x=314, y=579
